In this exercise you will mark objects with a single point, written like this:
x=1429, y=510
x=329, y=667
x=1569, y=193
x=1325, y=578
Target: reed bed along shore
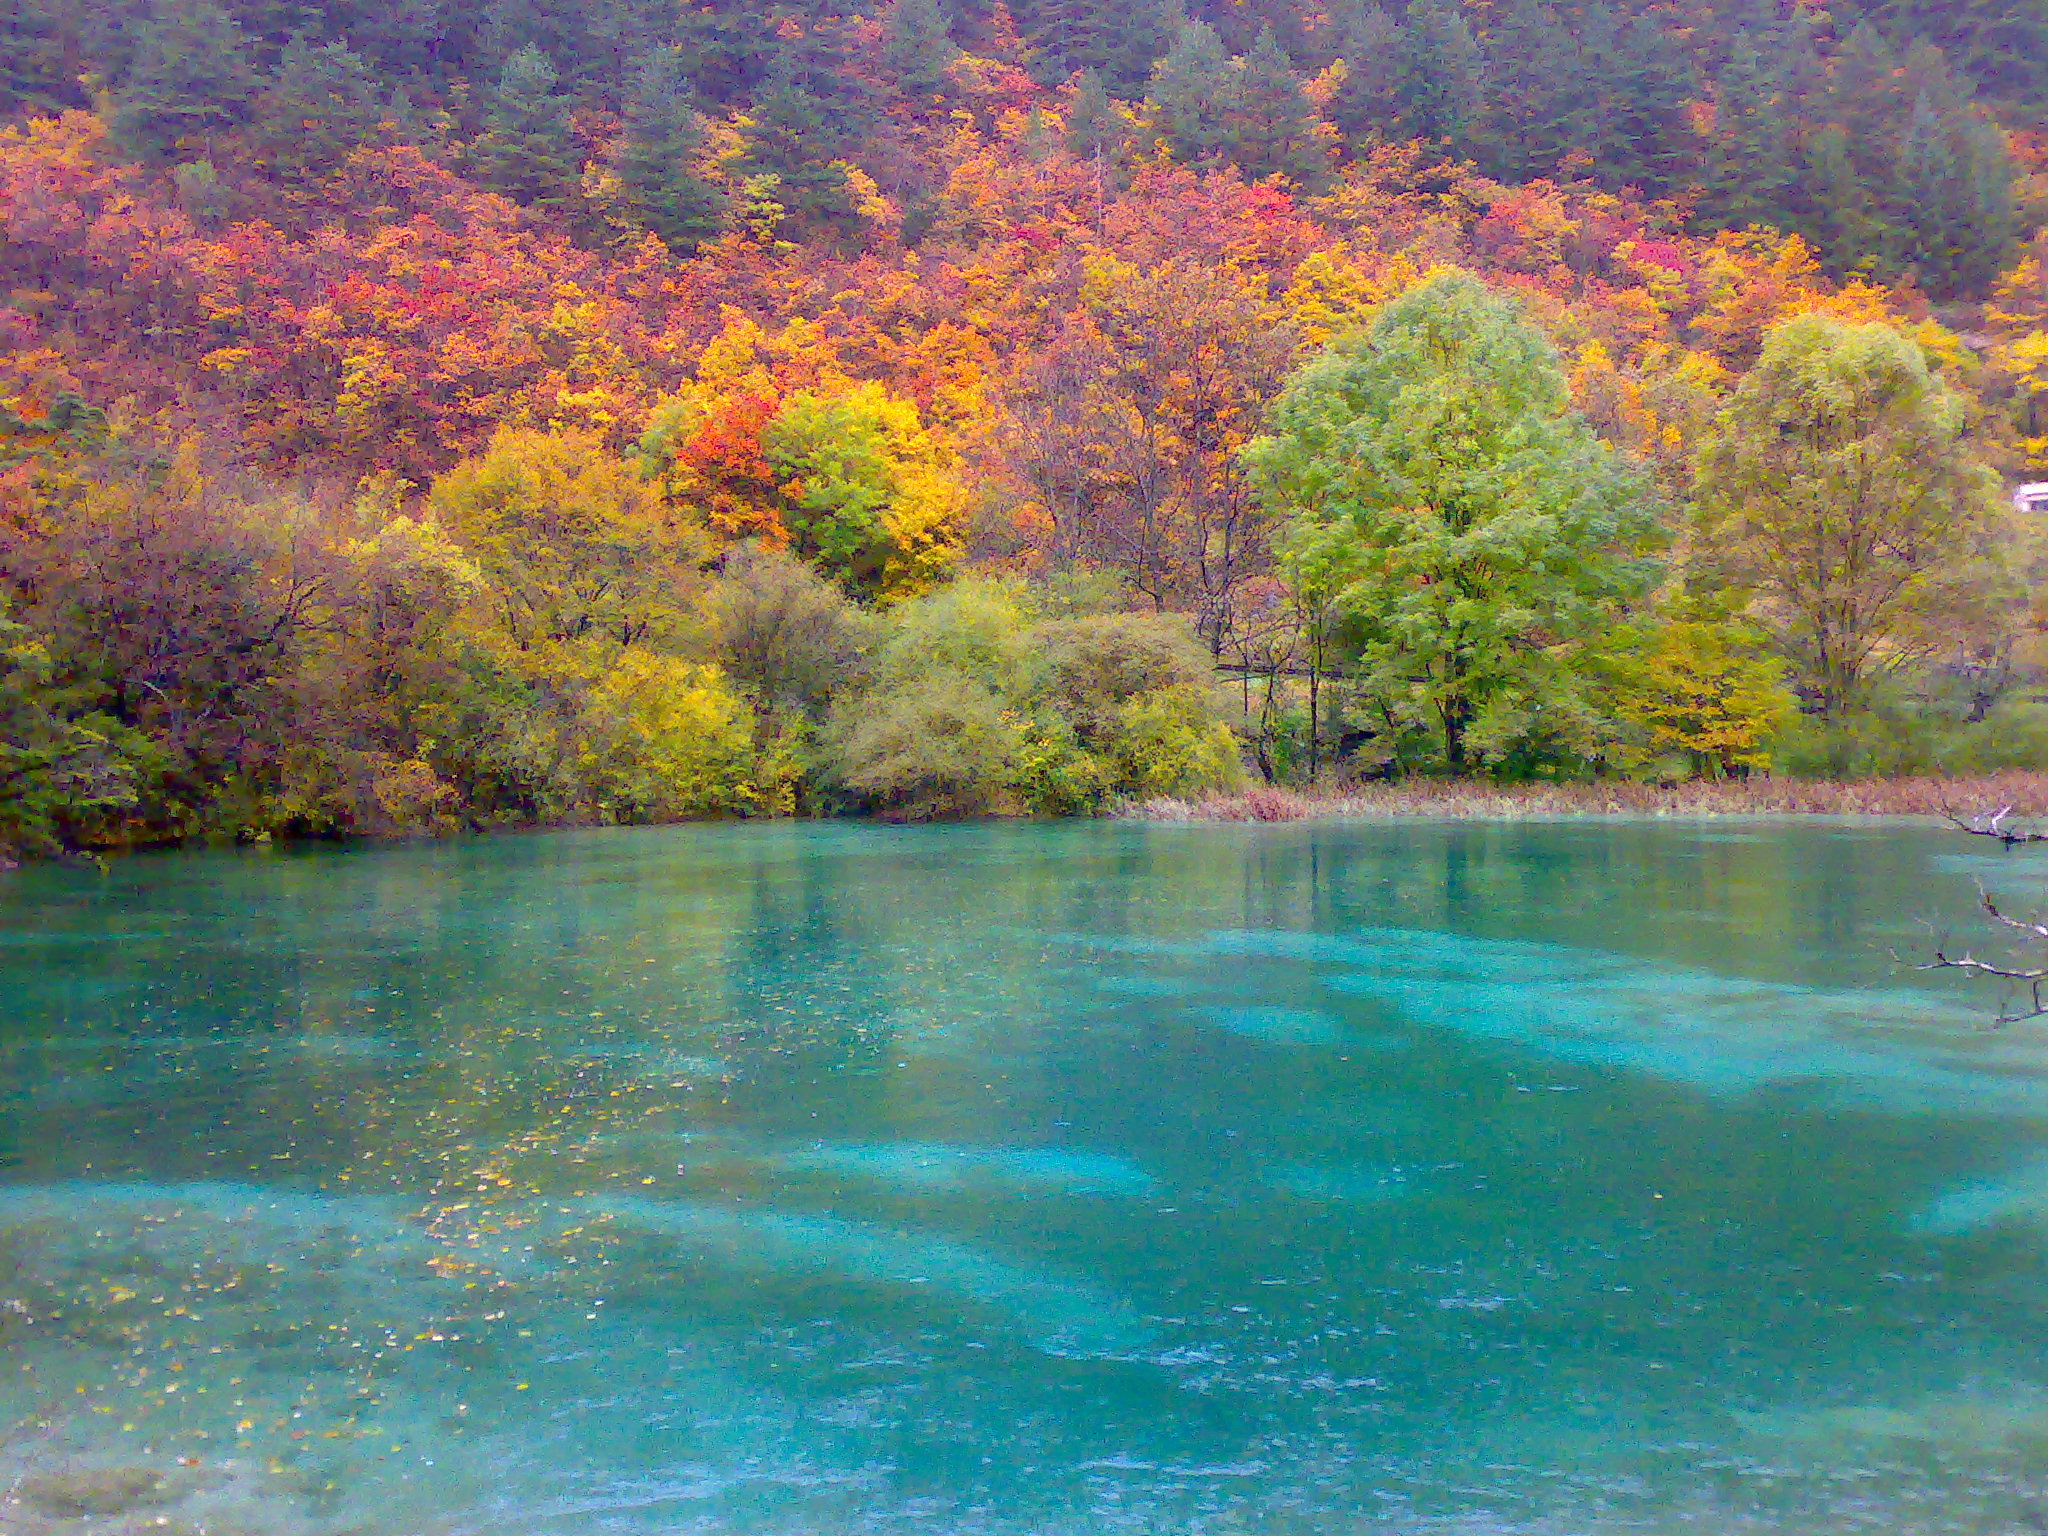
x=2023, y=794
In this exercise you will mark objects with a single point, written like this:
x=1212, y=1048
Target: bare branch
x=1966, y=962
x=1993, y=825
x=2032, y=929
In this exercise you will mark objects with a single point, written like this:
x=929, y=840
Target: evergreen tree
x=38, y=60
x=1190, y=93
x=1842, y=217
x=409, y=36
x=1270, y=126
x=1534, y=100
x=1862, y=92
x=1750, y=164
x=811, y=115
x=725, y=51
x=528, y=151
x=1094, y=130
x=657, y=158
x=918, y=52
x=1437, y=87
x=2000, y=46
x=1955, y=207
x=593, y=44
x=1637, y=83
x=188, y=79
x=318, y=106
x=1117, y=39
x=1367, y=103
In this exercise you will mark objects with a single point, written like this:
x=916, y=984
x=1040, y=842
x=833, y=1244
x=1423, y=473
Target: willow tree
x=1476, y=531
x=1840, y=486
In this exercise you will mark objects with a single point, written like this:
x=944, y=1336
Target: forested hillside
x=415, y=416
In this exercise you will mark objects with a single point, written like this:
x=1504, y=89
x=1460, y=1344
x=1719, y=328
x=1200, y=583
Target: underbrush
x=2025, y=792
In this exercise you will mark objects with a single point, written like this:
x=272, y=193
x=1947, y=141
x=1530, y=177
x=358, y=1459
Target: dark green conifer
x=1536, y=97
x=1438, y=81
x=528, y=150
x=809, y=115
x=1750, y=165
x=318, y=105
x=657, y=159
x=39, y=65
x=1118, y=39
x=1190, y=93
x=187, y=80
x=1636, y=84
x=918, y=52
x=1094, y=130
x=1367, y=105
x=1270, y=125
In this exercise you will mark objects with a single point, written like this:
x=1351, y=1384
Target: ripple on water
x=934, y=1166
x=1719, y=1034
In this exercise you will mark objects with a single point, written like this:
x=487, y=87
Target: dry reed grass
x=2025, y=793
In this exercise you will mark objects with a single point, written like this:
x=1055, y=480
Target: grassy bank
x=2025, y=792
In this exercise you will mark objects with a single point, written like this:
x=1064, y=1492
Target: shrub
x=938, y=746
x=667, y=740
x=65, y=776
x=782, y=632
x=1168, y=742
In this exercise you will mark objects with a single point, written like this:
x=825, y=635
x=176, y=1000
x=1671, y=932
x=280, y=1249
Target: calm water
x=1053, y=1179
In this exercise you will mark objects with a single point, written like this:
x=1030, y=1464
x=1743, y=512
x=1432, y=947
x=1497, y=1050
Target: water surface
x=1060, y=1179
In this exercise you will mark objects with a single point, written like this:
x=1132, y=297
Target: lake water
x=1052, y=1179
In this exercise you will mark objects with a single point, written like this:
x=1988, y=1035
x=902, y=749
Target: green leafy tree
x=65, y=769
x=1840, y=486
x=978, y=705
x=528, y=150
x=872, y=500
x=1476, y=529
x=657, y=158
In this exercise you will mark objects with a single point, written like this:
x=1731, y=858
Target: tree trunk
x=1456, y=713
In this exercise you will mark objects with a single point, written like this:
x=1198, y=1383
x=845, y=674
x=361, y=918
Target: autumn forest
x=417, y=417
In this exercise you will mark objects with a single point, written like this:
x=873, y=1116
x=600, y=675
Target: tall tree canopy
x=1845, y=491
x=1436, y=475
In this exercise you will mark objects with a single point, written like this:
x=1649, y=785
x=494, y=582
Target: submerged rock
x=97, y=1491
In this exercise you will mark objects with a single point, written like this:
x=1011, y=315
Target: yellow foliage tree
x=1696, y=688
x=669, y=740
x=571, y=543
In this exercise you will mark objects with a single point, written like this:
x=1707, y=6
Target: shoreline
x=2024, y=793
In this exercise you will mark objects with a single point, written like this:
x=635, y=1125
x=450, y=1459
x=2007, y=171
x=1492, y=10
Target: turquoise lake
x=1049, y=1179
